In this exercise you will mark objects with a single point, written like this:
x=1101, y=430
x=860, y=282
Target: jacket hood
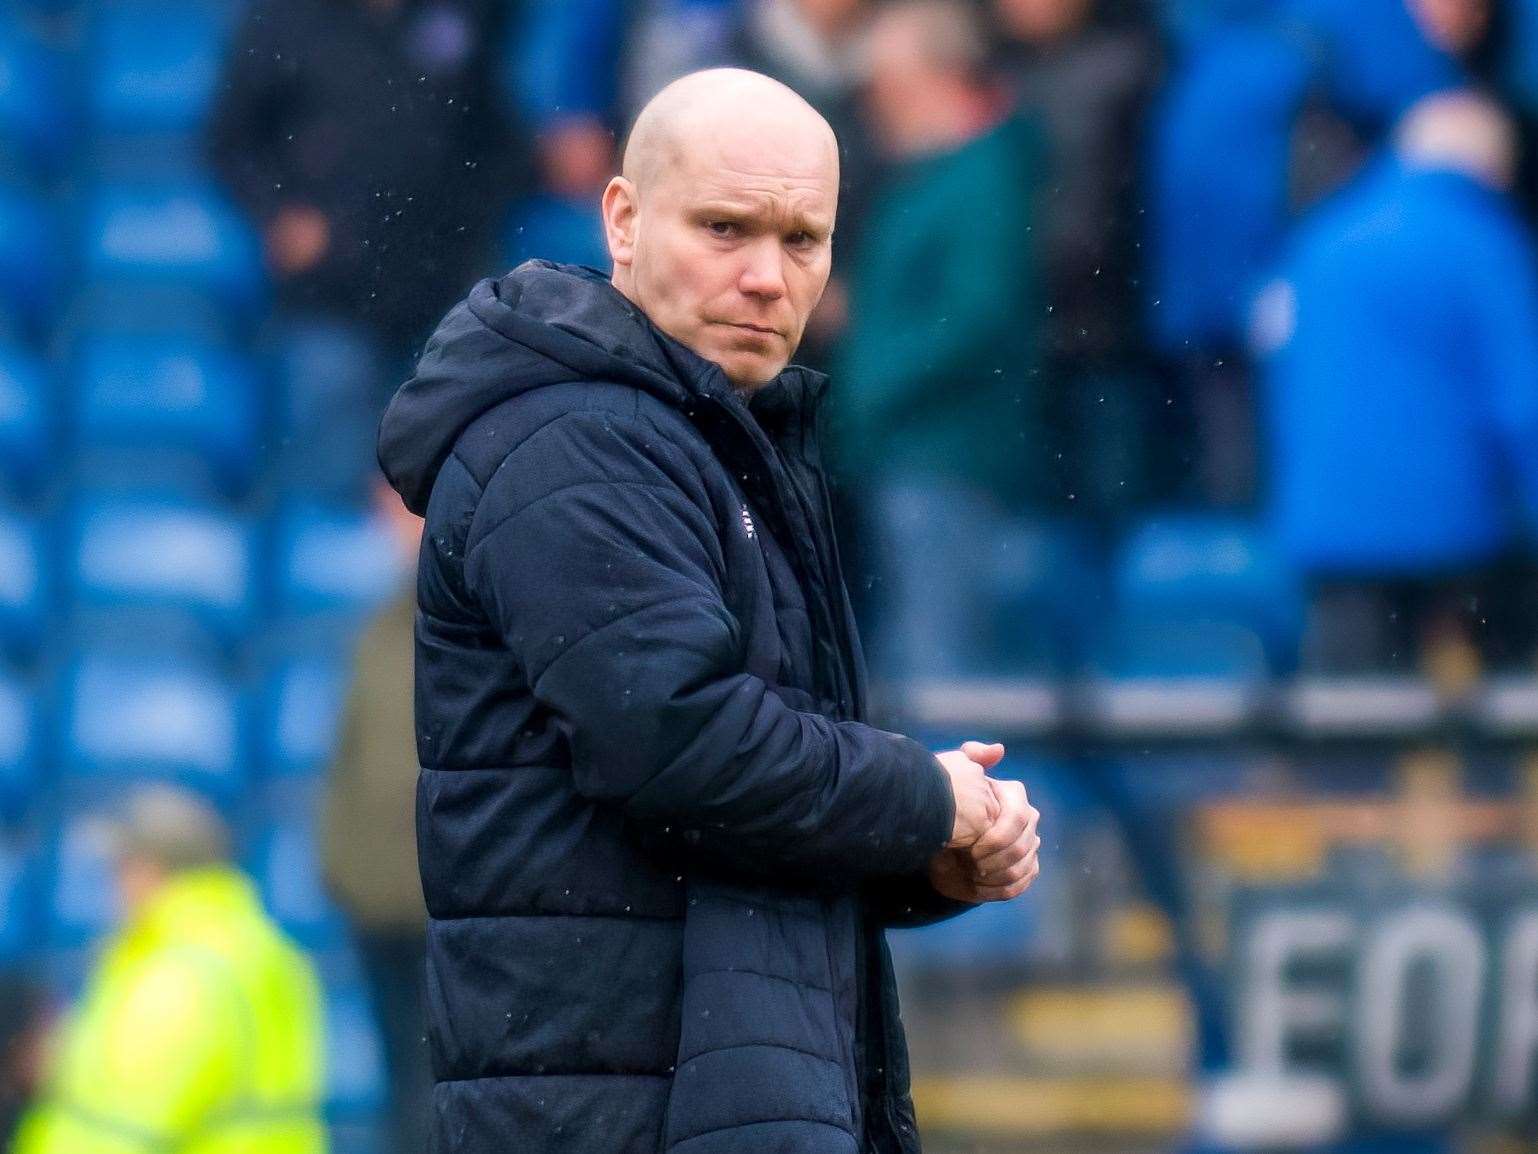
x=541, y=324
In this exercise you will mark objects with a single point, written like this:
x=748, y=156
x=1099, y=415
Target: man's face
x=732, y=247
x=138, y=880
x=1041, y=21
x=1455, y=26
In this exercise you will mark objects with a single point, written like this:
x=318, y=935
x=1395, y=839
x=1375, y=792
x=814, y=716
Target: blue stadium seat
x=19, y=937
x=1049, y=593
x=19, y=777
x=355, y=1069
x=333, y=562
x=1191, y=568
x=138, y=558
x=301, y=716
x=158, y=396
x=177, y=236
x=83, y=901
x=153, y=68
x=128, y=718
x=1157, y=649
x=26, y=453
x=25, y=586
x=356, y=1137
x=287, y=866
x=30, y=260
x=35, y=103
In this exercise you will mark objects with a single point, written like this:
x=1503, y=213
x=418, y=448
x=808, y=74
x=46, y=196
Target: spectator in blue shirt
x=1400, y=355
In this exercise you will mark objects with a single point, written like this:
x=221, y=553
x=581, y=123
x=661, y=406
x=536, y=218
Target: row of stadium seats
x=211, y=573
x=138, y=70
x=1188, y=592
x=225, y=575
x=169, y=398
x=111, y=720
x=196, y=572
x=178, y=239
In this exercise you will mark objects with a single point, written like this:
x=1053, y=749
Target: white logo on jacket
x=747, y=523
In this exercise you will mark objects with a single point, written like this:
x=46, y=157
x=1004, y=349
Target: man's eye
x=722, y=228
x=800, y=239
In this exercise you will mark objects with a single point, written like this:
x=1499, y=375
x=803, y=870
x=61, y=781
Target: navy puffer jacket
x=658, y=844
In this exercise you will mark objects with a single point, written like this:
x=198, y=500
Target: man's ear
x=620, y=212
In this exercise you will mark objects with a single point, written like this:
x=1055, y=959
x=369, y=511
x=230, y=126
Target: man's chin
x=748, y=373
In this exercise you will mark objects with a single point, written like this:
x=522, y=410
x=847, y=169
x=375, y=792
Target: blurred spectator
x=370, y=838
x=562, y=71
x=1219, y=155
x=604, y=59
x=1378, y=57
x=564, y=62
x=560, y=222
x=1400, y=345
x=937, y=383
x=200, y=1029
x=1084, y=69
x=22, y=1044
x=366, y=139
x=667, y=38
x=814, y=46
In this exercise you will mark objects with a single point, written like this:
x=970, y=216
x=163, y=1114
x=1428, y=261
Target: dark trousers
x=1397, y=625
x=396, y=966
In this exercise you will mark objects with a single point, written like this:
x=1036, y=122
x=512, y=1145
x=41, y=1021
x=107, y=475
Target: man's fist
x=977, y=804
x=1001, y=862
x=1004, y=859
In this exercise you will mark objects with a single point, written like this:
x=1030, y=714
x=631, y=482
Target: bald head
x=721, y=222
x=713, y=106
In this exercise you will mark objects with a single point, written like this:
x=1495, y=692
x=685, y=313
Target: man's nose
x=764, y=273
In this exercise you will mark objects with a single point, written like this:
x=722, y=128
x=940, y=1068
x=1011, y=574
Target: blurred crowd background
x=1185, y=431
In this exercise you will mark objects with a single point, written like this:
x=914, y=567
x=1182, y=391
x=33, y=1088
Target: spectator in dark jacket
x=1084, y=70
x=365, y=139
x=1400, y=347
x=1085, y=73
x=658, y=843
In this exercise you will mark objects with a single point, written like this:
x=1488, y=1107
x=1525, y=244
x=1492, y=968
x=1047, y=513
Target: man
x=940, y=399
x=364, y=138
x=658, y=844
x=1085, y=70
x=1398, y=348
x=200, y=1030
x=369, y=836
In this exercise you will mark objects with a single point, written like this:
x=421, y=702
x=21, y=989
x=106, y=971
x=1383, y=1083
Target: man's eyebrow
x=725, y=207
x=722, y=206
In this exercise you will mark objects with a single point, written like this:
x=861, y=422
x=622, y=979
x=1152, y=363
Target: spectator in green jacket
x=938, y=397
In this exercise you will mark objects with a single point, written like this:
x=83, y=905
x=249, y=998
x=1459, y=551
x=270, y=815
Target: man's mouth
x=765, y=329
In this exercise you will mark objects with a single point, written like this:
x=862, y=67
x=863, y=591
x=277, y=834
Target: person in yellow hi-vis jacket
x=200, y=1029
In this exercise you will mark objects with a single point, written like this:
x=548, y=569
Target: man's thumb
x=985, y=755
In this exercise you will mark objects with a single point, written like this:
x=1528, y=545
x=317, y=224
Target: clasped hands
x=992, y=854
